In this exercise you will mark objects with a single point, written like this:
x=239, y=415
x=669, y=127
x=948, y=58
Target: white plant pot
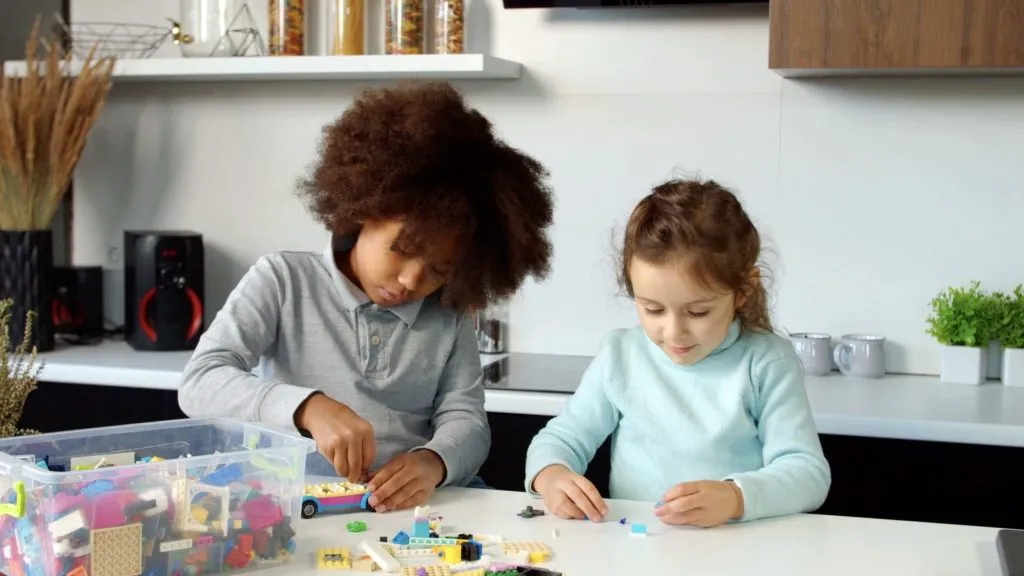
x=964, y=365
x=995, y=360
x=1013, y=367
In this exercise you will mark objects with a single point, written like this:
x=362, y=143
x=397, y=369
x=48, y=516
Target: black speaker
x=77, y=306
x=163, y=290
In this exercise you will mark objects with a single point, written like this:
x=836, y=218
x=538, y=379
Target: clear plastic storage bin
x=184, y=497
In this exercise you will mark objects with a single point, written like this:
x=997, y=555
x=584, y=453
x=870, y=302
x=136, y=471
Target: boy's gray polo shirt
x=412, y=371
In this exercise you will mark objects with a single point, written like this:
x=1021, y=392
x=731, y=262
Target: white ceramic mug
x=861, y=355
x=815, y=352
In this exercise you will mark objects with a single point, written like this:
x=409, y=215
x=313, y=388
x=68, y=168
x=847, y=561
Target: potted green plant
x=1010, y=333
x=962, y=322
x=19, y=372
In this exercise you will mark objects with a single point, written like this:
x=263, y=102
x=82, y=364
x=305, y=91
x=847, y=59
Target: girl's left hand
x=406, y=481
x=705, y=503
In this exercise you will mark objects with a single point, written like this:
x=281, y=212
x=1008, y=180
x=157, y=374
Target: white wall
x=874, y=194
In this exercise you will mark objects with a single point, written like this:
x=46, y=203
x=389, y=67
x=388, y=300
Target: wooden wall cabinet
x=873, y=37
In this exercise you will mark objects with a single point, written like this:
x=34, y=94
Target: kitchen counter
x=907, y=407
x=114, y=363
x=897, y=406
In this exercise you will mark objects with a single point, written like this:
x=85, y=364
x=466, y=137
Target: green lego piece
x=356, y=526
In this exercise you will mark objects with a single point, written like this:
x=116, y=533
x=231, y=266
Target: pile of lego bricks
x=462, y=554
x=158, y=519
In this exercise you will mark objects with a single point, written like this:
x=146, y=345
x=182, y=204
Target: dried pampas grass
x=45, y=116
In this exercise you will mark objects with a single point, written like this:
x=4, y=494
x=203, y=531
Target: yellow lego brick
x=432, y=570
x=538, y=556
x=450, y=553
x=199, y=514
x=512, y=547
x=333, y=559
x=334, y=489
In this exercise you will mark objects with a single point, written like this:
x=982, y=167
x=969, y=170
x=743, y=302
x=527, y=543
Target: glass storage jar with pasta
x=404, y=26
x=287, y=20
x=346, y=29
x=448, y=27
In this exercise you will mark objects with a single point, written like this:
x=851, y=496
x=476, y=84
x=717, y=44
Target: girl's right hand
x=341, y=435
x=569, y=495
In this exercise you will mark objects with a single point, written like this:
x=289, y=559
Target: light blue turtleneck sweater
x=739, y=414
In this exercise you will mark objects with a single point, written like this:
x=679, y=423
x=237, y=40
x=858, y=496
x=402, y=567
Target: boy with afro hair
x=368, y=347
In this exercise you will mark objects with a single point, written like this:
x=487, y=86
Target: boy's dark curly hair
x=418, y=153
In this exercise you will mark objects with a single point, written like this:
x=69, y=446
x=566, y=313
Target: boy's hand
x=406, y=481
x=705, y=504
x=569, y=495
x=341, y=435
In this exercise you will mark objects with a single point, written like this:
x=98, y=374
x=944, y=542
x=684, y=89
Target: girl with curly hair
x=705, y=404
x=368, y=346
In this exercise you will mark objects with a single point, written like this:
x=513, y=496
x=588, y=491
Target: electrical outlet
x=114, y=255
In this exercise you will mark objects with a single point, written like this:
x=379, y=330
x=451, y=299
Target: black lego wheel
x=309, y=509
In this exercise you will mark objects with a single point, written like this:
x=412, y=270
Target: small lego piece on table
x=421, y=522
x=333, y=559
x=530, y=512
x=356, y=526
x=432, y=570
x=380, y=556
x=363, y=564
x=535, y=552
x=637, y=529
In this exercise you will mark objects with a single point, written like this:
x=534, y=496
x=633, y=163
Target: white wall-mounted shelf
x=280, y=68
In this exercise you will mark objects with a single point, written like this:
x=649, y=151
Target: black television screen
x=620, y=3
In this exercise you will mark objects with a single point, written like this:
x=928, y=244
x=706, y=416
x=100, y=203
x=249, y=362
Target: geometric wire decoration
x=117, y=39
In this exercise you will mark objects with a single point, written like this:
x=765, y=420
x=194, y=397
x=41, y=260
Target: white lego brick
x=67, y=524
x=410, y=552
x=380, y=556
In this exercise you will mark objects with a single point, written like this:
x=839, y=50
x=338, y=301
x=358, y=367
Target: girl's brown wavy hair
x=702, y=225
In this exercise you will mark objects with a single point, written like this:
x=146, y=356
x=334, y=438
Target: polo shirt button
x=375, y=340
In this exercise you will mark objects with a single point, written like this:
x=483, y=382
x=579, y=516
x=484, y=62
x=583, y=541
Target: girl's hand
x=341, y=435
x=569, y=495
x=406, y=481
x=704, y=504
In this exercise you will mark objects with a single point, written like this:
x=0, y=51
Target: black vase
x=26, y=277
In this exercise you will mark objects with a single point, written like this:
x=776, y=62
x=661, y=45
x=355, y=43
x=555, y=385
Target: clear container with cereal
x=347, y=27
x=449, y=33
x=404, y=26
x=185, y=496
x=287, y=24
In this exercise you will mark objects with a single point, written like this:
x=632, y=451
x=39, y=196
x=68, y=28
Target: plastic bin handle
x=17, y=509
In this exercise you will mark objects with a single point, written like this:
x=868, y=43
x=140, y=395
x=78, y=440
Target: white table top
x=897, y=406
x=803, y=545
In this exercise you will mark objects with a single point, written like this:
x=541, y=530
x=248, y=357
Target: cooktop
x=524, y=372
